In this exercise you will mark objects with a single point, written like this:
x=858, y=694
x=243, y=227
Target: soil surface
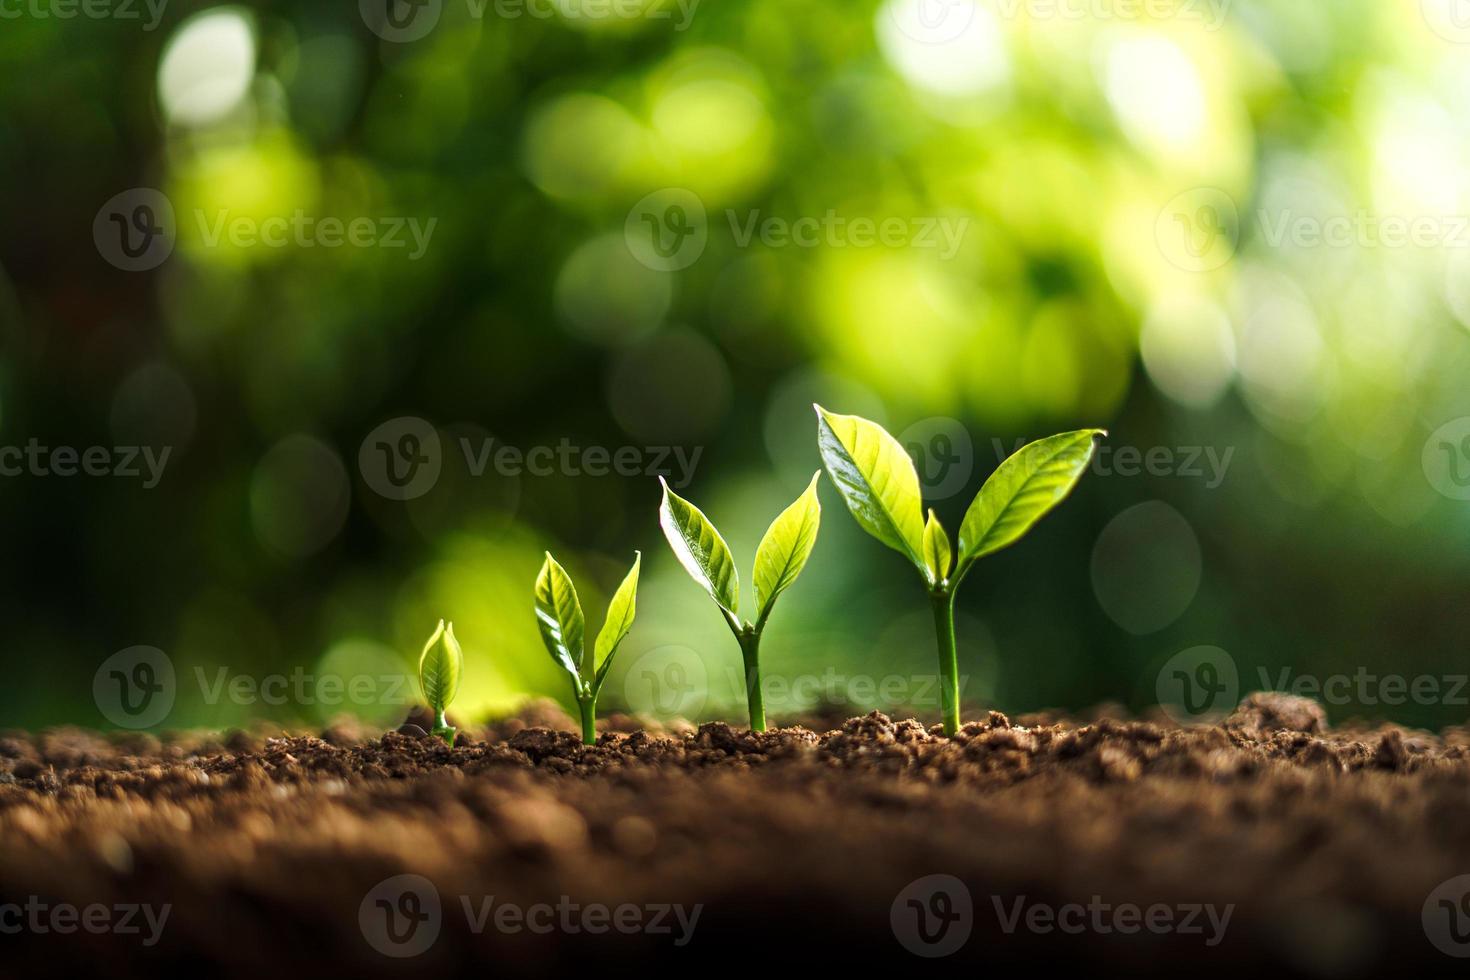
x=1268, y=842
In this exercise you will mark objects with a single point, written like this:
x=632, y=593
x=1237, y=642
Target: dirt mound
x=1268, y=842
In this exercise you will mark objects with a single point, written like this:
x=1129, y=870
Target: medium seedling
x=782, y=554
x=559, y=615
x=880, y=486
x=440, y=667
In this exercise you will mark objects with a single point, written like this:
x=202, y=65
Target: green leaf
x=787, y=545
x=876, y=479
x=620, y=613
x=700, y=549
x=1023, y=490
x=936, y=550
x=440, y=667
x=559, y=615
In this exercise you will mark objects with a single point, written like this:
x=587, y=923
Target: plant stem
x=750, y=641
x=949, y=668
x=588, y=709
x=442, y=729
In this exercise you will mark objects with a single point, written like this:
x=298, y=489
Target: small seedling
x=440, y=667
x=880, y=486
x=559, y=614
x=782, y=555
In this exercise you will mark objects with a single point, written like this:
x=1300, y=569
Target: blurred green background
x=1122, y=174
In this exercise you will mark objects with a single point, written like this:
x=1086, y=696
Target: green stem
x=442, y=729
x=949, y=667
x=750, y=641
x=588, y=709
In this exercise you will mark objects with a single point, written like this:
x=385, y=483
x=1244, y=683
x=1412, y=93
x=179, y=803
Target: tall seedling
x=878, y=483
x=782, y=554
x=559, y=616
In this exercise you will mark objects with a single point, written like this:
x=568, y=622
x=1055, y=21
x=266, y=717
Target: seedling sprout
x=880, y=486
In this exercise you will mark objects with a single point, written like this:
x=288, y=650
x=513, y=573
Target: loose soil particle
x=795, y=844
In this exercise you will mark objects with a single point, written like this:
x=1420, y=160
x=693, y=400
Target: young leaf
x=700, y=549
x=787, y=545
x=620, y=612
x=1022, y=491
x=559, y=614
x=937, y=555
x=440, y=667
x=876, y=479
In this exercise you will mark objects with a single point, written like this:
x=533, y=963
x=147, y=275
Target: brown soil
x=795, y=844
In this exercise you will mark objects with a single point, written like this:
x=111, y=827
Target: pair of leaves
x=559, y=616
x=779, y=560
x=441, y=666
x=879, y=484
